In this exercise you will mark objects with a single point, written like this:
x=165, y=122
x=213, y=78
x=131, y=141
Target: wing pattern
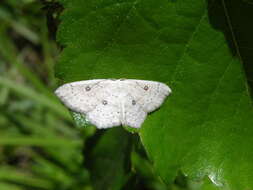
x=108, y=103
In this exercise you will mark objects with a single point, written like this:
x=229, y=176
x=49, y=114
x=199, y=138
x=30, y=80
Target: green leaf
x=34, y=141
x=9, y=186
x=39, y=98
x=115, y=42
x=20, y=177
x=205, y=184
x=109, y=159
x=10, y=54
x=205, y=127
x=145, y=173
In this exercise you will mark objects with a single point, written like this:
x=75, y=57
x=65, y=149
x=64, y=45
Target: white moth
x=108, y=102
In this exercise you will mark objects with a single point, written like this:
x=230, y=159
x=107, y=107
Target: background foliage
x=200, y=48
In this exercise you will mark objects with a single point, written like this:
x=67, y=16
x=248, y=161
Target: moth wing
x=107, y=113
x=148, y=94
x=82, y=96
x=134, y=115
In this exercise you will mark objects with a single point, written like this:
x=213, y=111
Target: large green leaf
x=205, y=127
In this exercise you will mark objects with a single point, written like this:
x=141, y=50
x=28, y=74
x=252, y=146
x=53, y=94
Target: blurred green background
x=40, y=147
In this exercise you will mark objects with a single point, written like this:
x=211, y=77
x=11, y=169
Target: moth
x=113, y=102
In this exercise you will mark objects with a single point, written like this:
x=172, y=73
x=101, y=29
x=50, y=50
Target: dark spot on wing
x=87, y=88
x=104, y=102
